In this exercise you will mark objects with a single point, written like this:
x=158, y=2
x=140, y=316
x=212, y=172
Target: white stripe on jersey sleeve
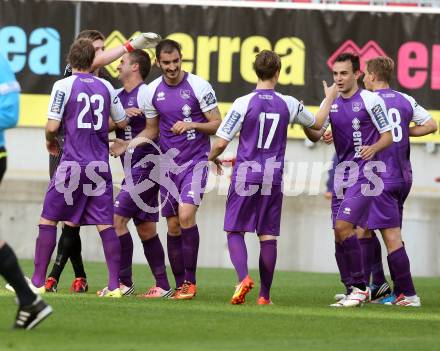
x=117, y=112
x=146, y=101
x=203, y=91
x=377, y=110
x=420, y=115
x=297, y=111
x=58, y=98
x=142, y=97
x=233, y=121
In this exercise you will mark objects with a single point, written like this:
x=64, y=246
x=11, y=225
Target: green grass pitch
x=298, y=320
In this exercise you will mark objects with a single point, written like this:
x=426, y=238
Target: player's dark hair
x=168, y=46
x=382, y=67
x=91, y=34
x=143, y=60
x=81, y=54
x=353, y=58
x=267, y=64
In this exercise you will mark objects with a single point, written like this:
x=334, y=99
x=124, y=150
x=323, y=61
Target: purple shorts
x=73, y=197
x=141, y=205
x=259, y=212
x=387, y=209
x=186, y=187
x=353, y=207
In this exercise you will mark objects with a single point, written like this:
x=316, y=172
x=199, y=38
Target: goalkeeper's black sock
x=11, y=271
x=74, y=243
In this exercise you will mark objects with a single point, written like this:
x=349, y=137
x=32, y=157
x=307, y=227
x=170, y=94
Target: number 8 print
x=394, y=117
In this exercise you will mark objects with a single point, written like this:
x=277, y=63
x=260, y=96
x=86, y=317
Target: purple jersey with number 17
x=262, y=118
x=255, y=196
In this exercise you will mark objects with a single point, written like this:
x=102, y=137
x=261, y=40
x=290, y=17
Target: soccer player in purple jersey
x=360, y=130
x=386, y=210
x=81, y=192
x=133, y=71
x=255, y=195
x=182, y=107
x=69, y=244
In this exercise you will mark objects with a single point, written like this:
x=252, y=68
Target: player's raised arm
x=143, y=41
x=331, y=93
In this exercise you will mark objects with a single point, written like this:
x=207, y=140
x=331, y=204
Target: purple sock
x=190, y=240
x=238, y=254
x=378, y=275
x=396, y=289
x=45, y=244
x=342, y=262
x=112, y=253
x=175, y=256
x=401, y=270
x=352, y=250
x=367, y=256
x=125, y=270
x=268, y=259
x=155, y=256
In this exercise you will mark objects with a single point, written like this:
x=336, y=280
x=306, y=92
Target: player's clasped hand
x=182, y=127
x=327, y=137
x=53, y=147
x=367, y=152
x=118, y=147
x=216, y=166
x=133, y=112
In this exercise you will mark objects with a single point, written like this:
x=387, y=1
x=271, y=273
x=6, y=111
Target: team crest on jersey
x=186, y=110
x=131, y=101
x=334, y=108
x=356, y=106
x=185, y=94
x=209, y=99
x=57, y=102
x=160, y=96
x=356, y=123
